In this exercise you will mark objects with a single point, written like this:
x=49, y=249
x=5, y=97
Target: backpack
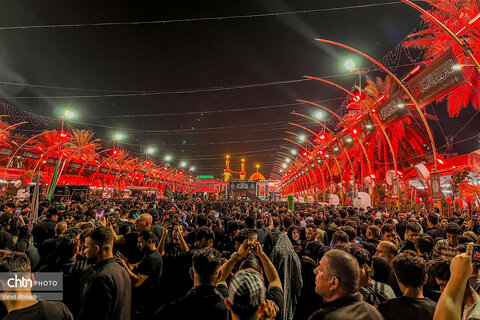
x=375, y=294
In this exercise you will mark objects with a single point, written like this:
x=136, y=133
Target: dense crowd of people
x=197, y=259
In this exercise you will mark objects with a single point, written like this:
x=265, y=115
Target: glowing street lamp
x=168, y=158
x=68, y=114
x=183, y=164
x=293, y=152
x=192, y=168
x=349, y=64
x=319, y=115
x=150, y=150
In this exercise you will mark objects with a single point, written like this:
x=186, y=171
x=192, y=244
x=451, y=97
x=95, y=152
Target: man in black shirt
x=411, y=274
x=434, y=229
x=203, y=301
x=372, y=234
x=109, y=293
x=130, y=240
x=337, y=281
x=413, y=231
x=145, y=276
x=28, y=309
x=76, y=273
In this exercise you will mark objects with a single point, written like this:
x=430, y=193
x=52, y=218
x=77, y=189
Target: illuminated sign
x=204, y=177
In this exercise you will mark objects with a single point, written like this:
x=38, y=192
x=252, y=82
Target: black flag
x=169, y=193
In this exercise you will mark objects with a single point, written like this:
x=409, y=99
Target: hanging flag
x=169, y=193
x=53, y=181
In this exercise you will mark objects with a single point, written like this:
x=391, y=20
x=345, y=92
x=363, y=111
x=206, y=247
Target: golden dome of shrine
x=257, y=176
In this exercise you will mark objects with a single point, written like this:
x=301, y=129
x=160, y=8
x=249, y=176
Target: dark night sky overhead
x=136, y=60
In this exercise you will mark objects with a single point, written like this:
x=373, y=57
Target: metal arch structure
x=321, y=174
x=296, y=162
x=314, y=162
x=304, y=164
x=301, y=186
x=71, y=155
x=372, y=114
x=89, y=159
x=315, y=165
x=447, y=31
x=360, y=140
x=335, y=158
x=326, y=164
x=21, y=146
x=336, y=137
x=400, y=83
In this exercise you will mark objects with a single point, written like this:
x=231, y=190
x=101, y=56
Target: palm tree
x=455, y=14
x=82, y=146
x=406, y=137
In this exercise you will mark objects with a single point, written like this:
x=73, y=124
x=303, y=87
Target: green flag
x=53, y=181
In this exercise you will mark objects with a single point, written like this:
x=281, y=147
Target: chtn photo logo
x=19, y=282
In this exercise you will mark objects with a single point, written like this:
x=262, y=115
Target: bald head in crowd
x=337, y=275
x=60, y=228
x=144, y=222
x=387, y=250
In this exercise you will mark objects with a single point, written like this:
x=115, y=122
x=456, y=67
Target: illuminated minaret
x=227, y=168
x=243, y=174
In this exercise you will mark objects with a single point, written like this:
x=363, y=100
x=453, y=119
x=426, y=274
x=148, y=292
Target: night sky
x=162, y=84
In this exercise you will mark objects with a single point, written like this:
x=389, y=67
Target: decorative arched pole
x=314, y=176
x=314, y=163
x=320, y=172
x=21, y=146
x=306, y=161
x=300, y=184
x=447, y=31
x=71, y=155
x=349, y=127
x=89, y=159
x=336, y=137
x=360, y=140
x=296, y=162
x=99, y=166
x=326, y=164
x=404, y=88
x=336, y=162
x=372, y=114
x=118, y=176
x=13, y=126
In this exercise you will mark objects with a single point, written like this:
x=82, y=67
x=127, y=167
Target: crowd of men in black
x=196, y=259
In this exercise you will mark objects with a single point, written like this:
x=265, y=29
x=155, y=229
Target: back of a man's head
x=206, y=263
x=246, y=293
x=339, y=237
x=410, y=270
x=60, y=228
x=204, y=233
x=344, y=267
x=67, y=245
x=433, y=218
x=102, y=236
x=14, y=262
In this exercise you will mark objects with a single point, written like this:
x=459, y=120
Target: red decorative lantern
x=405, y=199
x=385, y=199
x=448, y=199
x=417, y=200
x=468, y=199
x=430, y=199
x=456, y=200
x=378, y=199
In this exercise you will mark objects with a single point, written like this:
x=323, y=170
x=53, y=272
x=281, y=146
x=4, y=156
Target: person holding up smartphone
x=458, y=299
